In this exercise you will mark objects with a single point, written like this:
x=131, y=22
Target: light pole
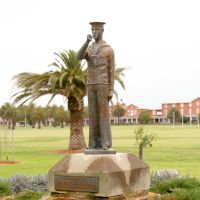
x=190, y=105
x=173, y=118
x=25, y=117
x=182, y=114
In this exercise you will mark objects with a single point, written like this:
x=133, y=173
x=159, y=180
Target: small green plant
x=29, y=195
x=4, y=188
x=144, y=139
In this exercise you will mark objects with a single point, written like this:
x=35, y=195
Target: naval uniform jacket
x=101, y=65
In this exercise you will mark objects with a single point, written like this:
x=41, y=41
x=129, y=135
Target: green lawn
x=176, y=147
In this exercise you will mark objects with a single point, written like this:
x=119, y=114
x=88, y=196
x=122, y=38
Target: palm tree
x=39, y=116
x=119, y=75
x=31, y=112
x=68, y=80
x=60, y=116
x=118, y=111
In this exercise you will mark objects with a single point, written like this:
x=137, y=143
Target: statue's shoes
x=104, y=147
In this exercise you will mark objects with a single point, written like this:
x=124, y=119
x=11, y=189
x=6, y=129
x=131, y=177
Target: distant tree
x=2, y=115
x=21, y=113
x=8, y=113
x=39, y=116
x=118, y=111
x=144, y=117
x=144, y=139
x=174, y=113
x=31, y=114
x=61, y=116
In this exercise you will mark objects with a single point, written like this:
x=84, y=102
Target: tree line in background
x=58, y=116
x=33, y=115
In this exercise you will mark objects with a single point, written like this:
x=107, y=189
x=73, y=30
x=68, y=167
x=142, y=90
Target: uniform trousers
x=99, y=124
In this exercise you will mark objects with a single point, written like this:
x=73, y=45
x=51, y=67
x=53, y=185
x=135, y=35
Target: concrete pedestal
x=103, y=175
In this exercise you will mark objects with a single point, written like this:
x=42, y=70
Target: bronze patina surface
x=101, y=66
x=76, y=183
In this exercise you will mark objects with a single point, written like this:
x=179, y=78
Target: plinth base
x=103, y=175
x=99, y=151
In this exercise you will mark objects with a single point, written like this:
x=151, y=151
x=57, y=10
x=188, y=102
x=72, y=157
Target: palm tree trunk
x=61, y=125
x=39, y=124
x=76, y=141
x=13, y=124
x=9, y=124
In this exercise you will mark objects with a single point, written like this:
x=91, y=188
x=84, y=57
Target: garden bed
x=9, y=162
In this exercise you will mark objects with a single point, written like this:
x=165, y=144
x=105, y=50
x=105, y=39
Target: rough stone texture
x=118, y=173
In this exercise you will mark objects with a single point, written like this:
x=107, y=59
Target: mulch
x=8, y=162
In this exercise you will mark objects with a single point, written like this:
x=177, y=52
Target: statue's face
x=97, y=32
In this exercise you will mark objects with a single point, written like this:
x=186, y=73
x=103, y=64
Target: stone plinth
x=103, y=175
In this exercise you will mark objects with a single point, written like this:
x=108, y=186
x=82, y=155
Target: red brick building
x=187, y=109
x=159, y=116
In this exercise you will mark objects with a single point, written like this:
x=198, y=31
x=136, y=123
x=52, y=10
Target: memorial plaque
x=76, y=183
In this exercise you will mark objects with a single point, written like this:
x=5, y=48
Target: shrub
x=4, y=188
x=20, y=183
x=39, y=183
x=164, y=174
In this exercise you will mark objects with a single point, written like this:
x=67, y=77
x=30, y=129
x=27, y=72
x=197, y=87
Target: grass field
x=176, y=147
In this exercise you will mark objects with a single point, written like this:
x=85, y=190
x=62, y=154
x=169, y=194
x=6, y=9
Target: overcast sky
x=158, y=41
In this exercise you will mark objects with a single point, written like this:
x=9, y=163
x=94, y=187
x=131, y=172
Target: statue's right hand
x=89, y=38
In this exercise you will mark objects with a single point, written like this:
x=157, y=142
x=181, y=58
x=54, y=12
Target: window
x=131, y=112
x=181, y=105
x=197, y=103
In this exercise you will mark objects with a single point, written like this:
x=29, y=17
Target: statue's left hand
x=110, y=95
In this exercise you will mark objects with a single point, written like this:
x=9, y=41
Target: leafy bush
x=4, y=188
x=29, y=195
